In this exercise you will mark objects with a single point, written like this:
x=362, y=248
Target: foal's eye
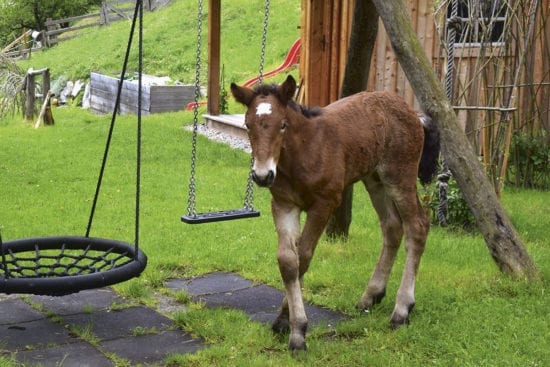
x=284, y=124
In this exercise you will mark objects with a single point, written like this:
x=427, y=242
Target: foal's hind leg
x=392, y=233
x=416, y=226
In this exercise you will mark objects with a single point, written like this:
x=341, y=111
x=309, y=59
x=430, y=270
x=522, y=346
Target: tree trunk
x=362, y=38
x=501, y=237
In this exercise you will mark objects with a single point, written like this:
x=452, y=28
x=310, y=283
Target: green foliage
x=16, y=16
x=459, y=215
x=224, y=105
x=530, y=161
x=11, y=93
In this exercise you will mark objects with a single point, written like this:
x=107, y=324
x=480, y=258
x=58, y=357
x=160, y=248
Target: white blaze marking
x=263, y=108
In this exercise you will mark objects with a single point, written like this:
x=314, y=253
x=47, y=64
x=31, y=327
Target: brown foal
x=307, y=157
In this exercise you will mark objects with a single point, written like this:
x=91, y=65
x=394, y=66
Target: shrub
x=530, y=161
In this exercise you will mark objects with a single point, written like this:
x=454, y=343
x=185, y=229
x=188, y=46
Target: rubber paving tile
x=80, y=354
x=45, y=334
x=36, y=340
x=259, y=301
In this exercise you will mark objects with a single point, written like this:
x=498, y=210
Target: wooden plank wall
x=325, y=36
x=156, y=99
x=325, y=32
x=103, y=90
x=386, y=73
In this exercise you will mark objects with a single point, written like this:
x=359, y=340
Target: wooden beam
x=214, y=26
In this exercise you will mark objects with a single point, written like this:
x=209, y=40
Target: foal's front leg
x=287, y=224
x=294, y=256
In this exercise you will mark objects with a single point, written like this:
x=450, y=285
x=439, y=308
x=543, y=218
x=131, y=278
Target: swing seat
x=220, y=216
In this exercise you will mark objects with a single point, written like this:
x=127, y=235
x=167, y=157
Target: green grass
x=467, y=312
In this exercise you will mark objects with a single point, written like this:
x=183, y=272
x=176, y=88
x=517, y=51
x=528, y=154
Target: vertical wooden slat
x=379, y=64
x=305, y=28
x=335, y=50
x=214, y=24
x=315, y=55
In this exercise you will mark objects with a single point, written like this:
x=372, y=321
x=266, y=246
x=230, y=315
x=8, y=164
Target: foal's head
x=266, y=123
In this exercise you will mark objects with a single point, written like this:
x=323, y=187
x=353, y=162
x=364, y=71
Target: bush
x=530, y=161
x=458, y=214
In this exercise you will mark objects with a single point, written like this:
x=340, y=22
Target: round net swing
x=67, y=264
x=63, y=265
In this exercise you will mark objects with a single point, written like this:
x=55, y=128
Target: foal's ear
x=287, y=89
x=242, y=95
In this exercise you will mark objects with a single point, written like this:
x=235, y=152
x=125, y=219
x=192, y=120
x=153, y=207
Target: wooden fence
x=58, y=30
x=110, y=11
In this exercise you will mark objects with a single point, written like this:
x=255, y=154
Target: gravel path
x=213, y=134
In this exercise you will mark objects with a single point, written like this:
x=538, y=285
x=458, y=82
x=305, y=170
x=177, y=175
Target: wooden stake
x=45, y=112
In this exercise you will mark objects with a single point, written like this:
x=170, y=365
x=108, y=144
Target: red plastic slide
x=292, y=58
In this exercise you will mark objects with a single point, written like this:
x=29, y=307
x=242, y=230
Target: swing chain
x=249, y=196
x=264, y=42
x=191, y=211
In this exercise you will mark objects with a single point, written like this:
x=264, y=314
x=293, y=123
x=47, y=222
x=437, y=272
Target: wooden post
x=45, y=81
x=214, y=26
x=361, y=46
x=30, y=90
x=104, y=13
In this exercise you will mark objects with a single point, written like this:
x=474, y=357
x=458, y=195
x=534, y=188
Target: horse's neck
x=303, y=135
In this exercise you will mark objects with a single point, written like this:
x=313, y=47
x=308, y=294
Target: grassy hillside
x=170, y=42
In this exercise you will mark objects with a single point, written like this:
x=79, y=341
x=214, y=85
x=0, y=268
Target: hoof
x=297, y=343
x=367, y=302
x=398, y=320
x=280, y=325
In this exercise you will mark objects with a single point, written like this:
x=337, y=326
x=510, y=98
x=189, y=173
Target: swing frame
x=247, y=211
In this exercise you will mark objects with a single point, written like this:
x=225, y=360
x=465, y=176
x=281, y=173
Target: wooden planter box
x=155, y=98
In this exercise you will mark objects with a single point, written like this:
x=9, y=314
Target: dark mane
x=306, y=111
x=267, y=89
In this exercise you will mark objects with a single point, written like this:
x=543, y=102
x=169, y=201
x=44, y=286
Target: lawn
x=467, y=312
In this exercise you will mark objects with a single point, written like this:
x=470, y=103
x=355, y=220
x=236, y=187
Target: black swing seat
x=220, y=216
x=57, y=266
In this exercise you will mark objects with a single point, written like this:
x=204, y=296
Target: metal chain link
x=264, y=42
x=191, y=211
x=249, y=195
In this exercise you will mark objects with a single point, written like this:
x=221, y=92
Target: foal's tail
x=430, y=152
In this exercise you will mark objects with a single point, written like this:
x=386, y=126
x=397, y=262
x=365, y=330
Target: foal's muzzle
x=264, y=180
